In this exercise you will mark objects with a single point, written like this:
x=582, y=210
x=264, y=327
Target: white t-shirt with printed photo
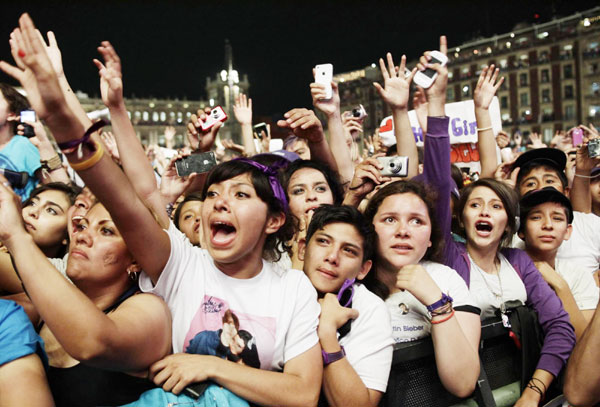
x=369, y=344
x=277, y=309
x=410, y=318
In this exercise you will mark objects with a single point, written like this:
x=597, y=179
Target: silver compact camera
x=396, y=166
x=594, y=148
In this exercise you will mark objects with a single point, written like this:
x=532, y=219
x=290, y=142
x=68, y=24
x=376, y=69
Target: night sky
x=169, y=48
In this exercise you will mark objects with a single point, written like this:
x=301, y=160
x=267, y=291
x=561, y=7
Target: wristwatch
x=442, y=301
x=332, y=357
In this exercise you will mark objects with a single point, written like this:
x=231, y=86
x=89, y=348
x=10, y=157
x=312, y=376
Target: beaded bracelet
x=444, y=309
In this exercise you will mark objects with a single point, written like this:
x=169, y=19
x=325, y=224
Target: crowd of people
x=282, y=278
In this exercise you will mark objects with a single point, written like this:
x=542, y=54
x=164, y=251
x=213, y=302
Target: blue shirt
x=21, y=156
x=17, y=336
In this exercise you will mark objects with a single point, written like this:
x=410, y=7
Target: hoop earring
x=132, y=275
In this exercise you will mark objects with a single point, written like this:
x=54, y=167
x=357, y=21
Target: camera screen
x=28, y=116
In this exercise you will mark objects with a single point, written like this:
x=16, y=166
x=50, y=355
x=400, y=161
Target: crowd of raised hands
x=142, y=284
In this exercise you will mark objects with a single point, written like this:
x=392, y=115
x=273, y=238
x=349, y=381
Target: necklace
x=499, y=295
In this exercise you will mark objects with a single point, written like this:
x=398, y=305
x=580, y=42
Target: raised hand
x=437, y=91
x=536, y=140
x=11, y=220
x=111, y=145
x=487, y=87
x=111, y=79
x=304, y=123
x=396, y=84
x=173, y=186
x=367, y=176
x=34, y=69
x=502, y=139
x=265, y=139
x=328, y=106
x=230, y=145
x=199, y=139
x=242, y=109
x=505, y=173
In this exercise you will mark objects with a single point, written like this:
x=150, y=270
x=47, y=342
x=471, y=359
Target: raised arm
x=103, y=176
x=131, y=153
x=117, y=340
x=582, y=383
x=395, y=93
x=482, y=97
x=242, y=109
x=337, y=136
x=581, y=194
x=305, y=124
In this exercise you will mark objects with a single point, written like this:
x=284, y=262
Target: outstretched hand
x=396, y=83
x=34, y=69
x=242, y=109
x=487, y=87
x=172, y=186
x=111, y=78
x=304, y=123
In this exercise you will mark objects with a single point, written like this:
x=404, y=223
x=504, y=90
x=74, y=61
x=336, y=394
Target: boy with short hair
x=544, y=167
x=354, y=327
x=546, y=217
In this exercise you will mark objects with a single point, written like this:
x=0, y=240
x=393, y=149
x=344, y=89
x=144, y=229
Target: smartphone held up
x=426, y=78
x=324, y=76
x=195, y=163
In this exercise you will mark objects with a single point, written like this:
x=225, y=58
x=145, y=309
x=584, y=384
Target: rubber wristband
x=484, y=129
x=90, y=162
x=443, y=320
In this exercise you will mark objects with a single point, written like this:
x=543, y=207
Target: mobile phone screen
x=430, y=72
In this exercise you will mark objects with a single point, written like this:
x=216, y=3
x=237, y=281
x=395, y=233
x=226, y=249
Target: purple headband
x=271, y=171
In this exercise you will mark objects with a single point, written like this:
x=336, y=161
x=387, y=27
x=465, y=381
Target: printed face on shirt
x=403, y=228
x=190, y=220
x=235, y=221
x=308, y=189
x=540, y=177
x=98, y=252
x=334, y=254
x=484, y=219
x=45, y=218
x=546, y=227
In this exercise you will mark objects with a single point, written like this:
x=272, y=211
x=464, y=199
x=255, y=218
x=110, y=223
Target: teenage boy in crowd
x=545, y=167
x=546, y=217
x=338, y=249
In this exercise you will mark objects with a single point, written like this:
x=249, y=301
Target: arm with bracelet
x=52, y=168
x=486, y=143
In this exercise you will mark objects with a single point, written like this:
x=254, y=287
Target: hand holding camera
x=436, y=92
x=204, y=126
x=304, y=123
x=320, y=92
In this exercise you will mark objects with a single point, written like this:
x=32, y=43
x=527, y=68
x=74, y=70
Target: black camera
x=16, y=179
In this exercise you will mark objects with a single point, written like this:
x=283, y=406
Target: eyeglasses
x=346, y=293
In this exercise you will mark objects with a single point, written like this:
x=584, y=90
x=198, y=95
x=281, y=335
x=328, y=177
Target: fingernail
x=21, y=53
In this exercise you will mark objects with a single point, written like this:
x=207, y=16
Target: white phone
x=215, y=115
x=324, y=76
x=426, y=78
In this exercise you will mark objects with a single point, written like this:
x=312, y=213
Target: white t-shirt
x=582, y=284
x=369, y=344
x=410, y=318
x=584, y=245
x=277, y=309
x=487, y=292
x=61, y=265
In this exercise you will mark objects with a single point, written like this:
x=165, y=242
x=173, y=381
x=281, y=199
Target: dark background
x=169, y=48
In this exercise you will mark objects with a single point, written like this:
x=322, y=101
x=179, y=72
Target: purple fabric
x=273, y=181
x=559, y=334
x=71, y=144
